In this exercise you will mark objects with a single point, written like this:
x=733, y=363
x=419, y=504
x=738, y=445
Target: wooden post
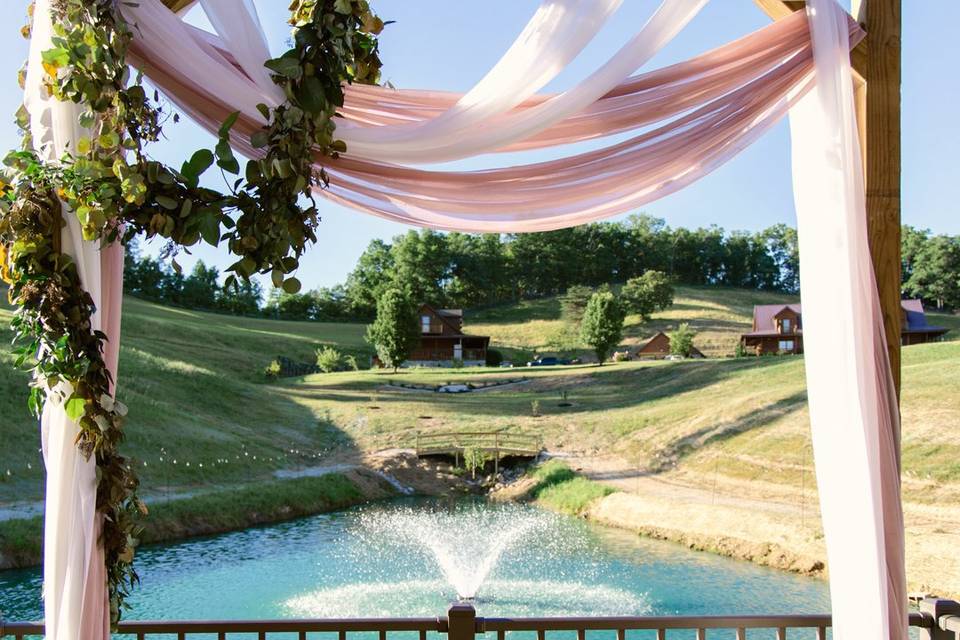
x=882, y=19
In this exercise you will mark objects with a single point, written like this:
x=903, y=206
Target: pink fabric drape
x=720, y=103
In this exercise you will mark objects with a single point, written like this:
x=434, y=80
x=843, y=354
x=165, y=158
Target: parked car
x=549, y=361
x=506, y=365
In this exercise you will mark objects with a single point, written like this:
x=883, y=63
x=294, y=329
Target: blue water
x=353, y=563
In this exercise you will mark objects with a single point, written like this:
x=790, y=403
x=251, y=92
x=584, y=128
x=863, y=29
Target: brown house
x=658, y=347
x=778, y=328
x=442, y=340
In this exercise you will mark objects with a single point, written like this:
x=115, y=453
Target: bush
x=272, y=370
x=457, y=363
x=535, y=408
x=681, y=340
x=621, y=356
x=328, y=359
x=494, y=358
x=352, y=363
x=740, y=351
x=474, y=459
x=560, y=488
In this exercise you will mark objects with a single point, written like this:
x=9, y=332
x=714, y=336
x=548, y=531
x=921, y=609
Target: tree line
x=471, y=270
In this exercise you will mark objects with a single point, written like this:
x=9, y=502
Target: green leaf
x=225, y=158
x=210, y=228
x=343, y=6
x=75, y=407
x=260, y=139
x=287, y=66
x=228, y=124
x=167, y=202
x=311, y=96
x=291, y=285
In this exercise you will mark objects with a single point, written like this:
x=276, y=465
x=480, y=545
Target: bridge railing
x=498, y=444
x=936, y=620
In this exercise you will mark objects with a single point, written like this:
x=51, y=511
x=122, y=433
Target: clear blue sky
x=449, y=45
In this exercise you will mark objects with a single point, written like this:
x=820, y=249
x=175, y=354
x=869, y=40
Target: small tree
x=328, y=359
x=574, y=302
x=395, y=332
x=602, y=324
x=653, y=291
x=681, y=340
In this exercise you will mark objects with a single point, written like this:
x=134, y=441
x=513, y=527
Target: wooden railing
x=497, y=444
x=462, y=623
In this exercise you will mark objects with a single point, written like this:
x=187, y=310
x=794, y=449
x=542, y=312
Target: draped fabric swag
x=678, y=124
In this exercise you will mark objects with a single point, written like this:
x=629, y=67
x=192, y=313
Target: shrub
x=621, y=356
x=681, y=340
x=494, y=358
x=272, y=370
x=328, y=359
x=474, y=459
x=457, y=363
x=740, y=351
x=535, y=408
x=560, y=488
x=352, y=363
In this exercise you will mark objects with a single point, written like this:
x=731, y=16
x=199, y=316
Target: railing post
x=937, y=611
x=461, y=621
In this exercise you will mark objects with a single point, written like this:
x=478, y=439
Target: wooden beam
x=780, y=9
x=883, y=24
x=178, y=5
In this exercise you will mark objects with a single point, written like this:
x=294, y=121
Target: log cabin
x=658, y=348
x=443, y=342
x=778, y=328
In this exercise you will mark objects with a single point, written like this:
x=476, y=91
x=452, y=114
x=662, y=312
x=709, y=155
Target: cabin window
x=425, y=324
x=458, y=352
x=786, y=345
x=786, y=325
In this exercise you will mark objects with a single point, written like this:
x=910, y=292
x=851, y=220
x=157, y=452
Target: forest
x=476, y=270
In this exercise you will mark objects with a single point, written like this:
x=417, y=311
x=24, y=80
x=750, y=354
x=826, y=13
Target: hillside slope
x=198, y=397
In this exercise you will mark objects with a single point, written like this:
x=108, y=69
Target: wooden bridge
x=497, y=444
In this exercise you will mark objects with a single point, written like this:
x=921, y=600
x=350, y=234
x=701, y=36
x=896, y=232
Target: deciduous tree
x=602, y=324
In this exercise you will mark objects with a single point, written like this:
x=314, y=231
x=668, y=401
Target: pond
x=412, y=557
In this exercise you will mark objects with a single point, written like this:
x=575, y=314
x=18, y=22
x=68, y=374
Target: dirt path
x=765, y=523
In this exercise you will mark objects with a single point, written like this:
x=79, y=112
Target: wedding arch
x=313, y=122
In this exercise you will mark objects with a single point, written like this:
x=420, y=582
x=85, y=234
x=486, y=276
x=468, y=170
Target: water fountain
x=504, y=559
x=466, y=544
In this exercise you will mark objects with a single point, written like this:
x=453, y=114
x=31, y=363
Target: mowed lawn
x=195, y=388
x=197, y=396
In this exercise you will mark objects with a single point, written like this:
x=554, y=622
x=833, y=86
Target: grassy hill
x=198, y=397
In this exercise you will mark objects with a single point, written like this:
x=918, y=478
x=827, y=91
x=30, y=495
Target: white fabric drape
x=479, y=121
x=853, y=406
x=74, y=575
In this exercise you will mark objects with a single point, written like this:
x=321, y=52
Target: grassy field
x=202, y=414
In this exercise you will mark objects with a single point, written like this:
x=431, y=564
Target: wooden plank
x=779, y=9
x=177, y=5
x=883, y=23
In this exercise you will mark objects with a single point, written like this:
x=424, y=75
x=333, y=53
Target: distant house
x=778, y=328
x=658, y=347
x=442, y=340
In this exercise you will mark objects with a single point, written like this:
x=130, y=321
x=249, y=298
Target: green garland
x=117, y=192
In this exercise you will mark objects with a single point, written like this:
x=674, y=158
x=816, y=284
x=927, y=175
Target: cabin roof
x=764, y=315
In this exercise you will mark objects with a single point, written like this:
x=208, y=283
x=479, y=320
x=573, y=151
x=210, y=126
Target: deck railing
x=936, y=620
